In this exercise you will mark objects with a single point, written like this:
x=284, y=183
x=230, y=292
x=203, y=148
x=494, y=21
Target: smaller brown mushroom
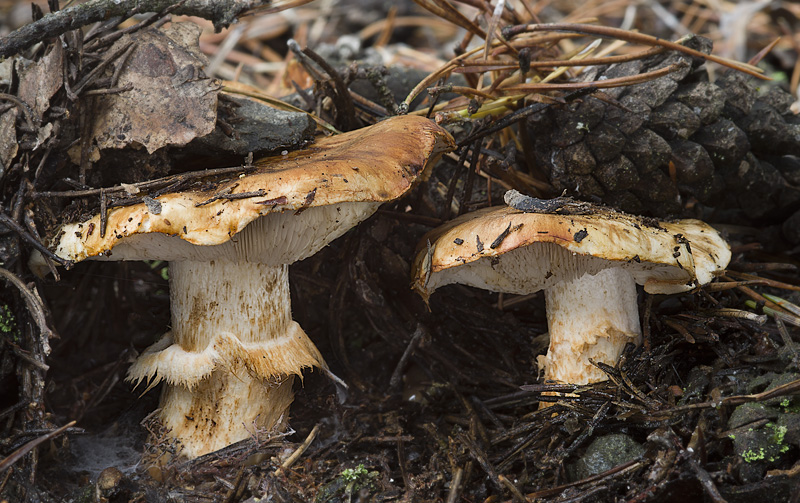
x=587, y=260
x=229, y=361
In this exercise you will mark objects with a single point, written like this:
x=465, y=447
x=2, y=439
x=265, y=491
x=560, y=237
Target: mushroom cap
x=506, y=250
x=312, y=195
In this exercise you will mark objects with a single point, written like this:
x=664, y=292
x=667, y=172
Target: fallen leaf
x=39, y=81
x=171, y=100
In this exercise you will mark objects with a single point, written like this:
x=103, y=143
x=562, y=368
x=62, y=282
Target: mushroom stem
x=231, y=356
x=592, y=316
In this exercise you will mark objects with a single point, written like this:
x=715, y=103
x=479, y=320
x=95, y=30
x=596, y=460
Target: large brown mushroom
x=230, y=358
x=587, y=260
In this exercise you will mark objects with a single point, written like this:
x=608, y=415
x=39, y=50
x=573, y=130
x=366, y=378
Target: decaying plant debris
x=441, y=404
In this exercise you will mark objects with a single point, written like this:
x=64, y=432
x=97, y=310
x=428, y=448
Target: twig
x=478, y=455
x=523, y=113
x=221, y=12
x=763, y=281
x=25, y=355
x=344, y=102
x=394, y=382
x=455, y=485
x=32, y=300
x=299, y=451
x=167, y=182
x=14, y=226
x=630, y=36
x=706, y=482
x=19, y=453
x=595, y=84
x=27, y=111
x=518, y=496
x=616, y=471
x=785, y=389
x=231, y=197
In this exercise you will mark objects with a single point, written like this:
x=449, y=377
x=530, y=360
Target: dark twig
x=397, y=375
x=221, y=12
x=22, y=451
x=480, y=456
x=789, y=388
x=231, y=197
x=705, y=480
x=32, y=300
x=110, y=90
x=466, y=196
x=166, y=183
x=522, y=113
x=344, y=102
x=103, y=213
x=24, y=234
x=89, y=77
x=451, y=189
x=27, y=111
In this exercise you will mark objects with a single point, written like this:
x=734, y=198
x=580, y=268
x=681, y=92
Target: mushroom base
x=590, y=317
x=224, y=409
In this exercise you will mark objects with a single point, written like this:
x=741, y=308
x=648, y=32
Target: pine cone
x=731, y=148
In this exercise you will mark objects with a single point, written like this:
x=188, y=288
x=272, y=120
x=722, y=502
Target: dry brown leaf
x=172, y=101
x=39, y=81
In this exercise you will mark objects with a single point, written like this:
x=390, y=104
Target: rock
x=604, y=453
x=255, y=127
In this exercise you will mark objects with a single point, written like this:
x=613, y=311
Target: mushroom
x=587, y=259
x=229, y=361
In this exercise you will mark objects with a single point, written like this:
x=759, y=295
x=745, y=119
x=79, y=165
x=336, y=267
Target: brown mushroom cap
x=665, y=257
x=315, y=195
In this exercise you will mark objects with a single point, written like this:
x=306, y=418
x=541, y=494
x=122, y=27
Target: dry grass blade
x=292, y=459
x=605, y=31
x=767, y=281
x=445, y=10
x=603, y=84
x=792, y=308
x=252, y=92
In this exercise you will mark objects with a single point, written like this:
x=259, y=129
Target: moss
x=773, y=444
x=8, y=323
x=353, y=474
x=753, y=455
x=350, y=481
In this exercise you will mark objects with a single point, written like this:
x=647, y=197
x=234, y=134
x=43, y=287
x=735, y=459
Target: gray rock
x=604, y=453
x=257, y=128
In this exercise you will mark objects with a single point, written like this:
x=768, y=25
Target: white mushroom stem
x=592, y=316
x=230, y=359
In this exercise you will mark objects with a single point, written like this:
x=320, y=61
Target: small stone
x=604, y=453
